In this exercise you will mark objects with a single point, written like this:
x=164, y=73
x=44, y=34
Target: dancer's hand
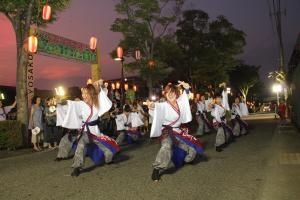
x=184, y=85
x=98, y=83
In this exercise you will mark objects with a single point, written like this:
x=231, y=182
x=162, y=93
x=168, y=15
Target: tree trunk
x=22, y=32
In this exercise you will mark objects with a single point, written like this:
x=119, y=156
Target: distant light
x=46, y=12
x=153, y=97
x=120, y=53
x=60, y=91
x=2, y=97
x=277, y=88
x=89, y=81
x=228, y=90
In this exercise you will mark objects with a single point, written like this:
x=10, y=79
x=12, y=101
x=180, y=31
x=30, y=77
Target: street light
x=277, y=88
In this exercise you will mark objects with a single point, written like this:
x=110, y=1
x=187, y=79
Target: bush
x=10, y=134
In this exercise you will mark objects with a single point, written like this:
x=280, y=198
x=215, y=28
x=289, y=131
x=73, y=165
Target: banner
x=30, y=80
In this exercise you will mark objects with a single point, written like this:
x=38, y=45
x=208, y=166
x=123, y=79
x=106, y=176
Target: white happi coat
x=133, y=118
x=164, y=114
x=207, y=103
x=75, y=113
x=201, y=107
x=218, y=112
x=225, y=100
x=240, y=109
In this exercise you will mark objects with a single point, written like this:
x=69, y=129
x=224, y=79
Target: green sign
x=55, y=45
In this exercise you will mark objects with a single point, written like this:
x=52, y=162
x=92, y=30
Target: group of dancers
x=168, y=118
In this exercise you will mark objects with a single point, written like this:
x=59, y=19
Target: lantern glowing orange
x=113, y=86
x=120, y=52
x=126, y=86
x=46, y=12
x=32, y=44
x=151, y=64
x=118, y=85
x=137, y=54
x=93, y=43
x=135, y=88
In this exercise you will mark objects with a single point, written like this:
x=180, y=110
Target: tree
x=210, y=47
x=143, y=27
x=244, y=77
x=22, y=14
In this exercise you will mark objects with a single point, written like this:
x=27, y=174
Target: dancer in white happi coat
x=127, y=126
x=239, y=110
x=167, y=119
x=84, y=115
x=5, y=109
x=224, y=132
x=203, y=123
x=224, y=96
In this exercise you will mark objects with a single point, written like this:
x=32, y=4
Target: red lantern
x=113, y=86
x=46, y=12
x=118, y=85
x=120, y=52
x=93, y=43
x=126, y=86
x=135, y=88
x=89, y=81
x=137, y=54
x=32, y=44
x=151, y=64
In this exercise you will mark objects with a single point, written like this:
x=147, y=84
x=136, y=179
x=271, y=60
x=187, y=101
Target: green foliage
x=144, y=24
x=244, y=77
x=210, y=47
x=10, y=134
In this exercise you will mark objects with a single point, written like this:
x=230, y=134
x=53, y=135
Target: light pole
x=277, y=88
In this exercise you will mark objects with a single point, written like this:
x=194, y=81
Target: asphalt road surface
x=237, y=173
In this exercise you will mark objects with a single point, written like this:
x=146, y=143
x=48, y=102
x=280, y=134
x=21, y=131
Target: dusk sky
x=85, y=18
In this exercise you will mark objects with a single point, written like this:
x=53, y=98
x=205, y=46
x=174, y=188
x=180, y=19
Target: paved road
x=237, y=173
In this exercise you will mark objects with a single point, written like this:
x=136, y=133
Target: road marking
x=289, y=159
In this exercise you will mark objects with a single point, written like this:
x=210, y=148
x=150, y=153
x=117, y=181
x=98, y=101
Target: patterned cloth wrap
x=179, y=154
x=92, y=150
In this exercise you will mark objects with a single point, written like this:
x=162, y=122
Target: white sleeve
x=244, y=109
x=136, y=120
x=104, y=103
x=158, y=118
x=225, y=100
x=120, y=122
x=185, y=109
x=72, y=118
x=61, y=112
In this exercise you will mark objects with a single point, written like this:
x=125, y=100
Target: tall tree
x=144, y=24
x=22, y=14
x=244, y=77
x=210, y=46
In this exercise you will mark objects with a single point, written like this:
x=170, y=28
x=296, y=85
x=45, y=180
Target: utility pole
x=276, y=12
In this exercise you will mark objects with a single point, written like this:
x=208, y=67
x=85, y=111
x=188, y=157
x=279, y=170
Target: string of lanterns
x=32, y=43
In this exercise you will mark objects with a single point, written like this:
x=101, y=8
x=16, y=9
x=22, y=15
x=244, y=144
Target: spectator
x=36, y=121
x=4, y=110
x=51, y=134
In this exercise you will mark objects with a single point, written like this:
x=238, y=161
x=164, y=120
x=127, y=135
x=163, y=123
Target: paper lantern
x=151, y=64
x=126, y=86
x=93, y=43
x=46, y=12
x=137, y=54
x=32, y=44
x=120, y=52
x=113, y=86
x=118, y=85
x=135, y=88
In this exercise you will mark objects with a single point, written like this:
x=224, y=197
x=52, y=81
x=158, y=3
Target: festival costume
x=128, y=127
x=203, y=123
x=240, y=127
x=176, y=144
